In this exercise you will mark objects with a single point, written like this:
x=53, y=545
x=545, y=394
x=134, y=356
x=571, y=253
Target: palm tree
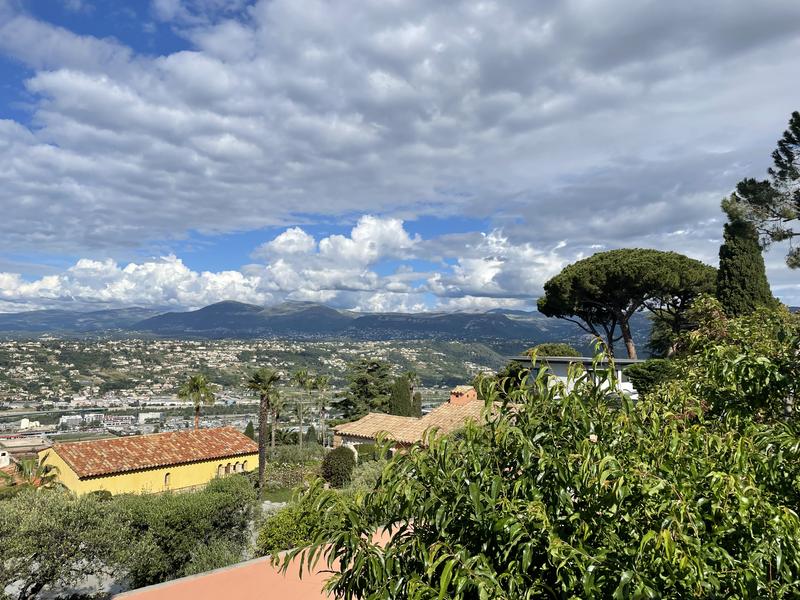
x=303, y=381
x=198, y=390
x=322, y=384
x=32, y=473
x=263, y=383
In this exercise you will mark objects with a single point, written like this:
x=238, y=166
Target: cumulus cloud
x=339, y=270
x=165, y=283
x=599, y=124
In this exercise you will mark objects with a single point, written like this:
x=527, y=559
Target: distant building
x=26, y=424
x=559, y=367
x=70, y=420
x=145, y=417
x=463, y=406
x=5, y=458
x=152, y=463
x=117, y=420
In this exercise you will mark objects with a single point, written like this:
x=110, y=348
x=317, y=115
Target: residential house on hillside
x=152, y=463
x=559, y=366
x=463, y=406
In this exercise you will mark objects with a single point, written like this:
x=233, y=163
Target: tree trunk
x=263, y=413
x=300, y=422
x=626, y=335
x=196, y=417
x=273, y=426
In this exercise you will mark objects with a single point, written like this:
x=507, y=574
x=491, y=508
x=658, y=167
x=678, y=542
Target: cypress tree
x=742, y=284
x=400, y=400
x=250, y=431
x=416, y=405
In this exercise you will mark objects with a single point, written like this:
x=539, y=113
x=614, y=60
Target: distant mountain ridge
x=306, y=320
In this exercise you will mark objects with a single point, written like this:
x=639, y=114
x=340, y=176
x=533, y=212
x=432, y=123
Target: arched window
x=220, y=471
x=228, y=469
x=244, y=466
x=166, y=480
x=237, y=467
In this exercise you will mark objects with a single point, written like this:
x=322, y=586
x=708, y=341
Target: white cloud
x=549, y=121
x=340, y=270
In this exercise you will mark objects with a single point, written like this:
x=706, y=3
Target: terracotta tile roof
x=120, y=455
x=409, y=430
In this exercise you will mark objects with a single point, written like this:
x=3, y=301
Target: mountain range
x=307, y=320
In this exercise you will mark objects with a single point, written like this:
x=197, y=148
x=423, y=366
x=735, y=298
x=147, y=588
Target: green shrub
x=646, y=376
x=51, y=538
x=366, y=475
x=367, y=452
x=337, y=466
x=176, y=526
x=295, y=454
x=214, y=555
x=289, y=475
x=569, y=491
x=555, y=349
x=285, y=529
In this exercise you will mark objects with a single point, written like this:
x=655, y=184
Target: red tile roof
x=409, y=430
x=120, y=455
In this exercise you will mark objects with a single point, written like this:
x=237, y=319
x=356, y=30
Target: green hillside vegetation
x=573, y=491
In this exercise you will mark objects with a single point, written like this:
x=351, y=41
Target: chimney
x=462, y=394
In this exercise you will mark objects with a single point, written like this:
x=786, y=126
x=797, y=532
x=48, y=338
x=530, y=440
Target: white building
x=26, y=424
x=559, y=366
x=144, y=417
x=70, y=421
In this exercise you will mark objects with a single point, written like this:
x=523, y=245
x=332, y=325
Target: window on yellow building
x=166, y=480
x=220, y=471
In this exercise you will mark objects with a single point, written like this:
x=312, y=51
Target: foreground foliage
x=50, y=539
x=575, y=492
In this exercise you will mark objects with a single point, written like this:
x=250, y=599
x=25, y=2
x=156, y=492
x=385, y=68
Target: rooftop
x=120, y=455
x=409, y=430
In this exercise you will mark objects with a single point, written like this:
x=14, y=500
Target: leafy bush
x=291, y=526
x=296, y=454
x=215, y=555
x=646, y=376
x=366, y=476
x=367, y=452
x=571, y=490
x=50, y=538
x=337, y=466
x=288, y=528
x=175, y=527
x=554, y=349
x=289, y=475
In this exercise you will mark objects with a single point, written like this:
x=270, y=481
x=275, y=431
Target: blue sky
x=374, y=156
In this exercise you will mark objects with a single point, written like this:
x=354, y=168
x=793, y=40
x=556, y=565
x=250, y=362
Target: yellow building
x=160, y=462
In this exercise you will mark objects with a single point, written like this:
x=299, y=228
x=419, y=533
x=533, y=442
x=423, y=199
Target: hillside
x=308, y=320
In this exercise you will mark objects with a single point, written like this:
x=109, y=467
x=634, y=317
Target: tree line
x=602, y=292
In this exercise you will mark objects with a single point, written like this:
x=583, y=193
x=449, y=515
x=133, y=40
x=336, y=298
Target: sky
x=376, y=155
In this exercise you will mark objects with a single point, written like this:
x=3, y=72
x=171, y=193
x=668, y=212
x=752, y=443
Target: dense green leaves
x=174, y=527
x=337, y=466
x=369, y=388
x=601, y=293
x=400, y=400
x=554, y=349
x=51, y=539
x=742, y=284
x=574, y=492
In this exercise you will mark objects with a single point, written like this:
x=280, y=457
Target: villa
x=462, y=406
x=179, y=460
